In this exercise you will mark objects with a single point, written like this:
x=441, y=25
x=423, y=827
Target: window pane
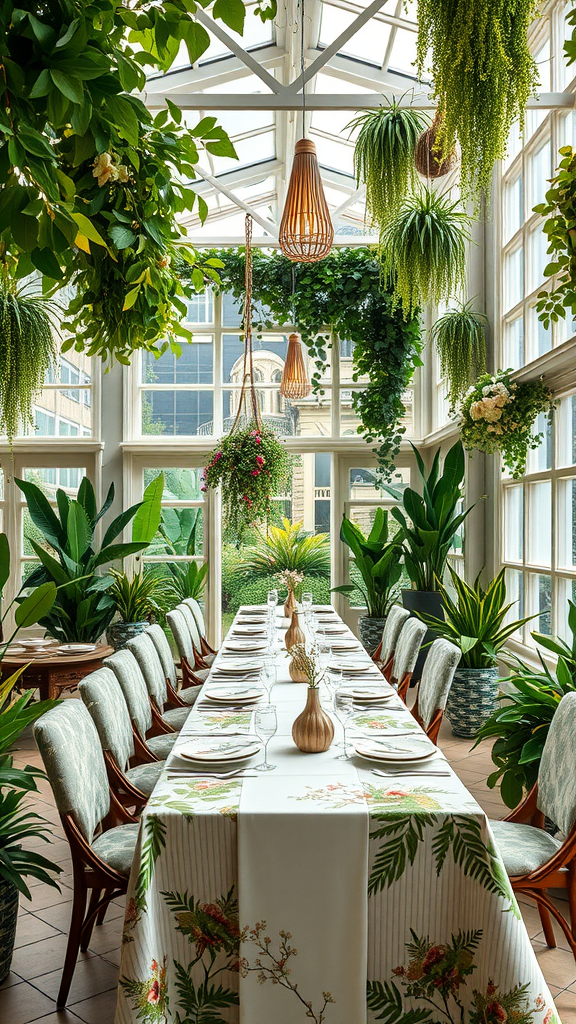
x=539, y=338
x=513, y=208
x=513, y=278
x=514, y=523
x=49, y=480
x=268, y=356
x=541, y=457
x=201, y=308
x=514, y=343
x=567, y=523
x=565, y=417
x=193, y=366
x=515, y=596
x=540, y=173
x=182, y=484
x=177, y=413
x=540, y=523
x=181, y=532
x=538, y=258
x=541, y=603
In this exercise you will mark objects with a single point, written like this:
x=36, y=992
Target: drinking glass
x=344, y=708
x=265, y=726
x=306, y=602
x=269, y=675
x=272, y=598
x=323, y=655
x=333, y=680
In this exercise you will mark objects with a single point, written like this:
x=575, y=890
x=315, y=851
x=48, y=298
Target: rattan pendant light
x=306, y=229
x=295, y=383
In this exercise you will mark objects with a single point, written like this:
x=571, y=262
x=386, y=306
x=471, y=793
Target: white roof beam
x=239, y=176
x=212, y=72
x=331, y=101
x=336, y=45
x=221, y=187
x=358, y=194
x=245, y=55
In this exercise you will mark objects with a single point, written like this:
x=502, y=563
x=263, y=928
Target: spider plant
x=27, y=350
x=134, y=597
x=384, y=157
x=459, y=339
x=185, y=579
x=424, y=250
x=287, y=547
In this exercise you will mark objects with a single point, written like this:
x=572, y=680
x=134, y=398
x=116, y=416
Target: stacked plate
x=405, y=749
x=366, y=694
x=76, y=648
x=233, y=694
x=217, y=750
x=233, y=647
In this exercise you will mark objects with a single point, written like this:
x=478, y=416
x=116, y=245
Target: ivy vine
x=340, y=297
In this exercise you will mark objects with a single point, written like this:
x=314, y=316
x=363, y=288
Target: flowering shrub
x=252, y=466
x=497, y=414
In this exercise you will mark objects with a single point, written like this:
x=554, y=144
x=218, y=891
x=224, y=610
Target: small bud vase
x=290, y=604
x=313, y=730
x=296, y=674
x=294, y=634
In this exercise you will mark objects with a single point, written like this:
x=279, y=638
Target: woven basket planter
x=370, y=632
x=119, y=633
x=472, y=699
x=8, y=919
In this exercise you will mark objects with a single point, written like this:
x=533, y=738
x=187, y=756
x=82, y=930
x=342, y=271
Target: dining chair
x=198, y=614
x=384, y=653
x=406, y=654
x=438, y=671
x=144, y=650
x=191, y=676
x=151, y=742
x=176, y=693
x=101, y=833
x=535, y=860
x=203, y=660
x=104, y=699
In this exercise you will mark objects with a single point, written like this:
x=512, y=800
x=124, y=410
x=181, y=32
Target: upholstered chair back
x=557, y=772
x=396, y=618
x=127, y=671
x=160, y=641
x=144, y=650
x=192, y=625
x=102, y=695
x=437, y=674
x=198, y=614
x=408, y=646
x=181, y=635
x=74, y=763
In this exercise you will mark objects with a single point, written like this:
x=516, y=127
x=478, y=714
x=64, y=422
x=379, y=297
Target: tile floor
x=29, y=993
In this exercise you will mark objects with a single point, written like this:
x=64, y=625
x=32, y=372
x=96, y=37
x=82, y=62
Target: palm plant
x=474, y=622
x=27, y=350
x=377, y=561
x=134, y=597
x=461, y=345
x=185, y=579
x=430, y=521
x=84, y=608
x=384, y=157
x=287, y=547
x=424, y=250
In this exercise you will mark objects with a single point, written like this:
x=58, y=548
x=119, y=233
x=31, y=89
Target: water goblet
x=306, y=601
x=272, y=599
x=344, y=708
x=269, y=675
x=265, y=726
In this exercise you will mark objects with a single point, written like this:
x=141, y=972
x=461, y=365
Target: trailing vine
x=560, y=212
x=340, y=297
x=483, y=75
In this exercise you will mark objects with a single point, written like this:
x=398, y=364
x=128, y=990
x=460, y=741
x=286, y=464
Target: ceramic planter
x=8, y=919
x=370, y=632
x=119, y=633
x=472, y=699
x=313, y=730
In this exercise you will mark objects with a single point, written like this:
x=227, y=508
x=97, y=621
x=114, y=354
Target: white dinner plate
x=366, y=693
x=352, y=667
x=237, y=668
x=13, y=650
x=37, y=643
x=237, y=694
x=219, y=750
x=76, y=648
x=244, y=648
x=405, y=748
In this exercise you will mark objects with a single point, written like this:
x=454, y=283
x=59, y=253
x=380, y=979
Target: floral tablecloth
x=322, y=892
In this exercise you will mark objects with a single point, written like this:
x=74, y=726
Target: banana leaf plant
x=431, y=520
x=475, y=621
x=83, y=608
x=377, y=560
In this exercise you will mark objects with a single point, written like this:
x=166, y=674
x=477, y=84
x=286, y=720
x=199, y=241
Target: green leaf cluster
x=83, y=608
x=483, y=74
x=286, y=547
x=559, y=209
x=475, y=620
x=377, y=558
x=431, y=520
x=522, y=721
x=134, y=597
x=92, y=184
x=461, y=345
x=341, y=297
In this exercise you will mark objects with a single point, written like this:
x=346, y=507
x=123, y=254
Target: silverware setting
x=414, y=771
x=192, y=773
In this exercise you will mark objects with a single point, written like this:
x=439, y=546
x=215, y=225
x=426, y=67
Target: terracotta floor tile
x=31, y=929
x=98, y=1009
x=91, y=977
x=23, y=1003
x=558, y=965
x=32, y=961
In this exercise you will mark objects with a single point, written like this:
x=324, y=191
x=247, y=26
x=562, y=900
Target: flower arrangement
x=290, y=578
x=497, y=414
x=307, y=665
x=253, y=466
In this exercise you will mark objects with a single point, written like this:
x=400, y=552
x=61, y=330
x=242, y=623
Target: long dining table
x=337, y=891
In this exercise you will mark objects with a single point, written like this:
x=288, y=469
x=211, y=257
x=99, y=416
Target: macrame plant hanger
x=248, y=393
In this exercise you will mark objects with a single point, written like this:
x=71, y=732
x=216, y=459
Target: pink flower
x=259, y=460
x=203, y=488
x=217, y=456
x=153, y=994
x=256, y=472
x=154, y=966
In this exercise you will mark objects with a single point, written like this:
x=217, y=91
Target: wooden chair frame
x=189, y=678
x=90, y=873
x=402, y=685
x=435, y=723
x=557, y=873
x=125, y=792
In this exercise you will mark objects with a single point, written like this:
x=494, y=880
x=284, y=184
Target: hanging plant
x=497, y=415
x=427, y=158
x=483, y=75
x=252, y=466
x=461, y=345
x=384, y=157
x=560, y=212
x=27, y=350
x=424, y=250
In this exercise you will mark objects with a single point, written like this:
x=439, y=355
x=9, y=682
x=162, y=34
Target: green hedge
x=235, y=590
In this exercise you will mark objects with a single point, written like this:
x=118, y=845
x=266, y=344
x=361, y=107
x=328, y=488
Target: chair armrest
x=527, y=811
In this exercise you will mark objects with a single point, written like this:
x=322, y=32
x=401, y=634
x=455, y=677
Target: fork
x=393, y=774
x=193, y=773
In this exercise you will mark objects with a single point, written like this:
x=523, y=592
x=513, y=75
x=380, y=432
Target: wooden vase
x=296, y=674
x=294, y=634
x=290, y=604
x=313, y=730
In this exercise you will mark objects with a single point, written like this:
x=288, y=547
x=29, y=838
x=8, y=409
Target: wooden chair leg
x=89, y=925
x=547, y=924
x=78, y=911
x=102, y=913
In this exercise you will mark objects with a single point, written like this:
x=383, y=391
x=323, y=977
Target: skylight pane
x=368, y=44
x=256, y=33
x=334, y=154
x=403, y=53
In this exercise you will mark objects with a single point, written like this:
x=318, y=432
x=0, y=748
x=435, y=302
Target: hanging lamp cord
x=302, y=16
x=248, y=365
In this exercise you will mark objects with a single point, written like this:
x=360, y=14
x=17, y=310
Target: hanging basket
x=426, y=154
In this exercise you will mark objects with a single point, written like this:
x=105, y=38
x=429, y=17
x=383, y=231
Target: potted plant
x=375, y=572
x=497, y=415
x=83, y=608
x=134, y=601
x=459, y=339
x=17, y=823
x=474, y=622
x=528, y=705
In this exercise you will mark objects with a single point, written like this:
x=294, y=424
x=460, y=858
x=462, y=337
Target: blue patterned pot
x=8, y=919
x=119, y=633
x=370, y=632
x=472, y=699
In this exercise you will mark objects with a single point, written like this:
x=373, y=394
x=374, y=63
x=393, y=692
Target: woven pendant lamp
x=306, y=229
x=295, y=383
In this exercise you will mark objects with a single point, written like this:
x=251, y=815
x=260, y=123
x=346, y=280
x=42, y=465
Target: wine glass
x=306, y=601
x=272, y=599
x=333, y=680
x=323, y=653
x=344, y=709
x=265, y=726
x=268, y=675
